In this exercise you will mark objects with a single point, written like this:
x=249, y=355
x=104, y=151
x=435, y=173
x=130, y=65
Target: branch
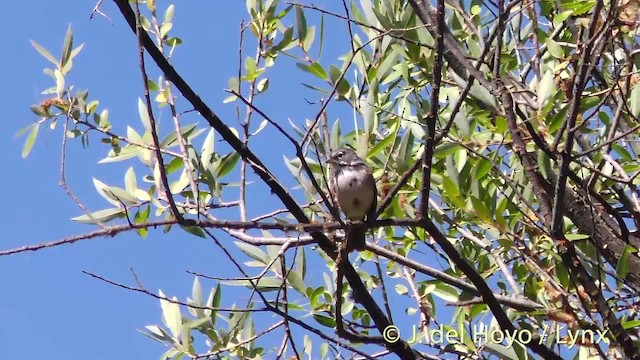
x=432, y=116
x=401, y=348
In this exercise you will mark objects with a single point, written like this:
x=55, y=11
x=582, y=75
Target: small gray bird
x=356, y=190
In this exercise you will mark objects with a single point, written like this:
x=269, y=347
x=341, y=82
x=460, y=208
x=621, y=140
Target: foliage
x=531, y=179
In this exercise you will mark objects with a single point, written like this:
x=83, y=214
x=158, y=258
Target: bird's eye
x=340, y=154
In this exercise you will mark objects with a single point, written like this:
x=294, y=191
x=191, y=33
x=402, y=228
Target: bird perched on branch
x=355, y=188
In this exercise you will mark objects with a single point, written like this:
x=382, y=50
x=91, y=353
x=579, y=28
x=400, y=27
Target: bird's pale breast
x=354, y=192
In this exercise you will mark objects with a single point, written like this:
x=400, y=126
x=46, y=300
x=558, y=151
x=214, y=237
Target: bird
x=355, y=189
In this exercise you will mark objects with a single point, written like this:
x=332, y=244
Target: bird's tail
x=356, y=239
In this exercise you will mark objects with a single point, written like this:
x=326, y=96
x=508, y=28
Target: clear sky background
x=48, y=308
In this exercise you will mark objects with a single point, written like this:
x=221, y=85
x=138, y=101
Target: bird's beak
x=331, y=161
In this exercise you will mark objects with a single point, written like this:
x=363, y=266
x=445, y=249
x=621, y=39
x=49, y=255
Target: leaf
x=262, y=85
x=301, y=264
x=262, y=125
x=401, y=289
x=102, y=216
x=295, y=280
x=314, y=69
x=545, y=86
x=140, y=218
x=307, y=41
x=251, y=69
x=253, y=252
x=67, y=47
x=234, y=86
x=31, y=139
x=169, y=13
x=384, y=144
x=228, y=164
x=622, y=268
x=213, y=301
x=172, y=139
x=126, y=153
x=171, y=314
x=194, y=230
x=480, y=209
x=105, y=191
x=404, y=152
x=554, y=49
x=44, y=52
x=630, y=324
x=59, y=82
x=157, y=333
x=164, y=29
x=325, y=320
x=445, y=292
x=264, y=284
x=196, y=292
x=482, y=168
x=144, y=115
x=181, y=184
x=130, y=182
x=301, y=23
x=635, y=100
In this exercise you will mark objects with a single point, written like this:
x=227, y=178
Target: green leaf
x=102, y=216
x=261, y=127
x=482, y=168
x=67, y=47
x=635, y=100
x=545, y=88
x=44, y=52
x=264, y=284
x=172, y=138
x=59, y=82
x=262, y=85
x=630, y=324
x=144, y=114
x=554, y=49
x=622, y=268
x=196, y=292
x=307, y=41
x=233, y=85
x=301, y=23
x=227, y=165
x=165, y=28
x=250, y=67
x=401, y=289
x=140, y=218
x=171, y=315
x=169, y=13
x=295, y=280
x=314, y=69
x=301, y=263
x=207, y=152
x=404, y=152
x=579, y=7
x=480, y=209
x=287, y=40
x=106, y=192
x=130, y=183
x=215, y=296
x=173, y=41
x=31, y=139
x=325, y=321
x=445, y=292
x=253, y=252
x=194, y=230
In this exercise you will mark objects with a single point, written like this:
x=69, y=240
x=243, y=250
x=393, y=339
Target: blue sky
x=49, y=309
